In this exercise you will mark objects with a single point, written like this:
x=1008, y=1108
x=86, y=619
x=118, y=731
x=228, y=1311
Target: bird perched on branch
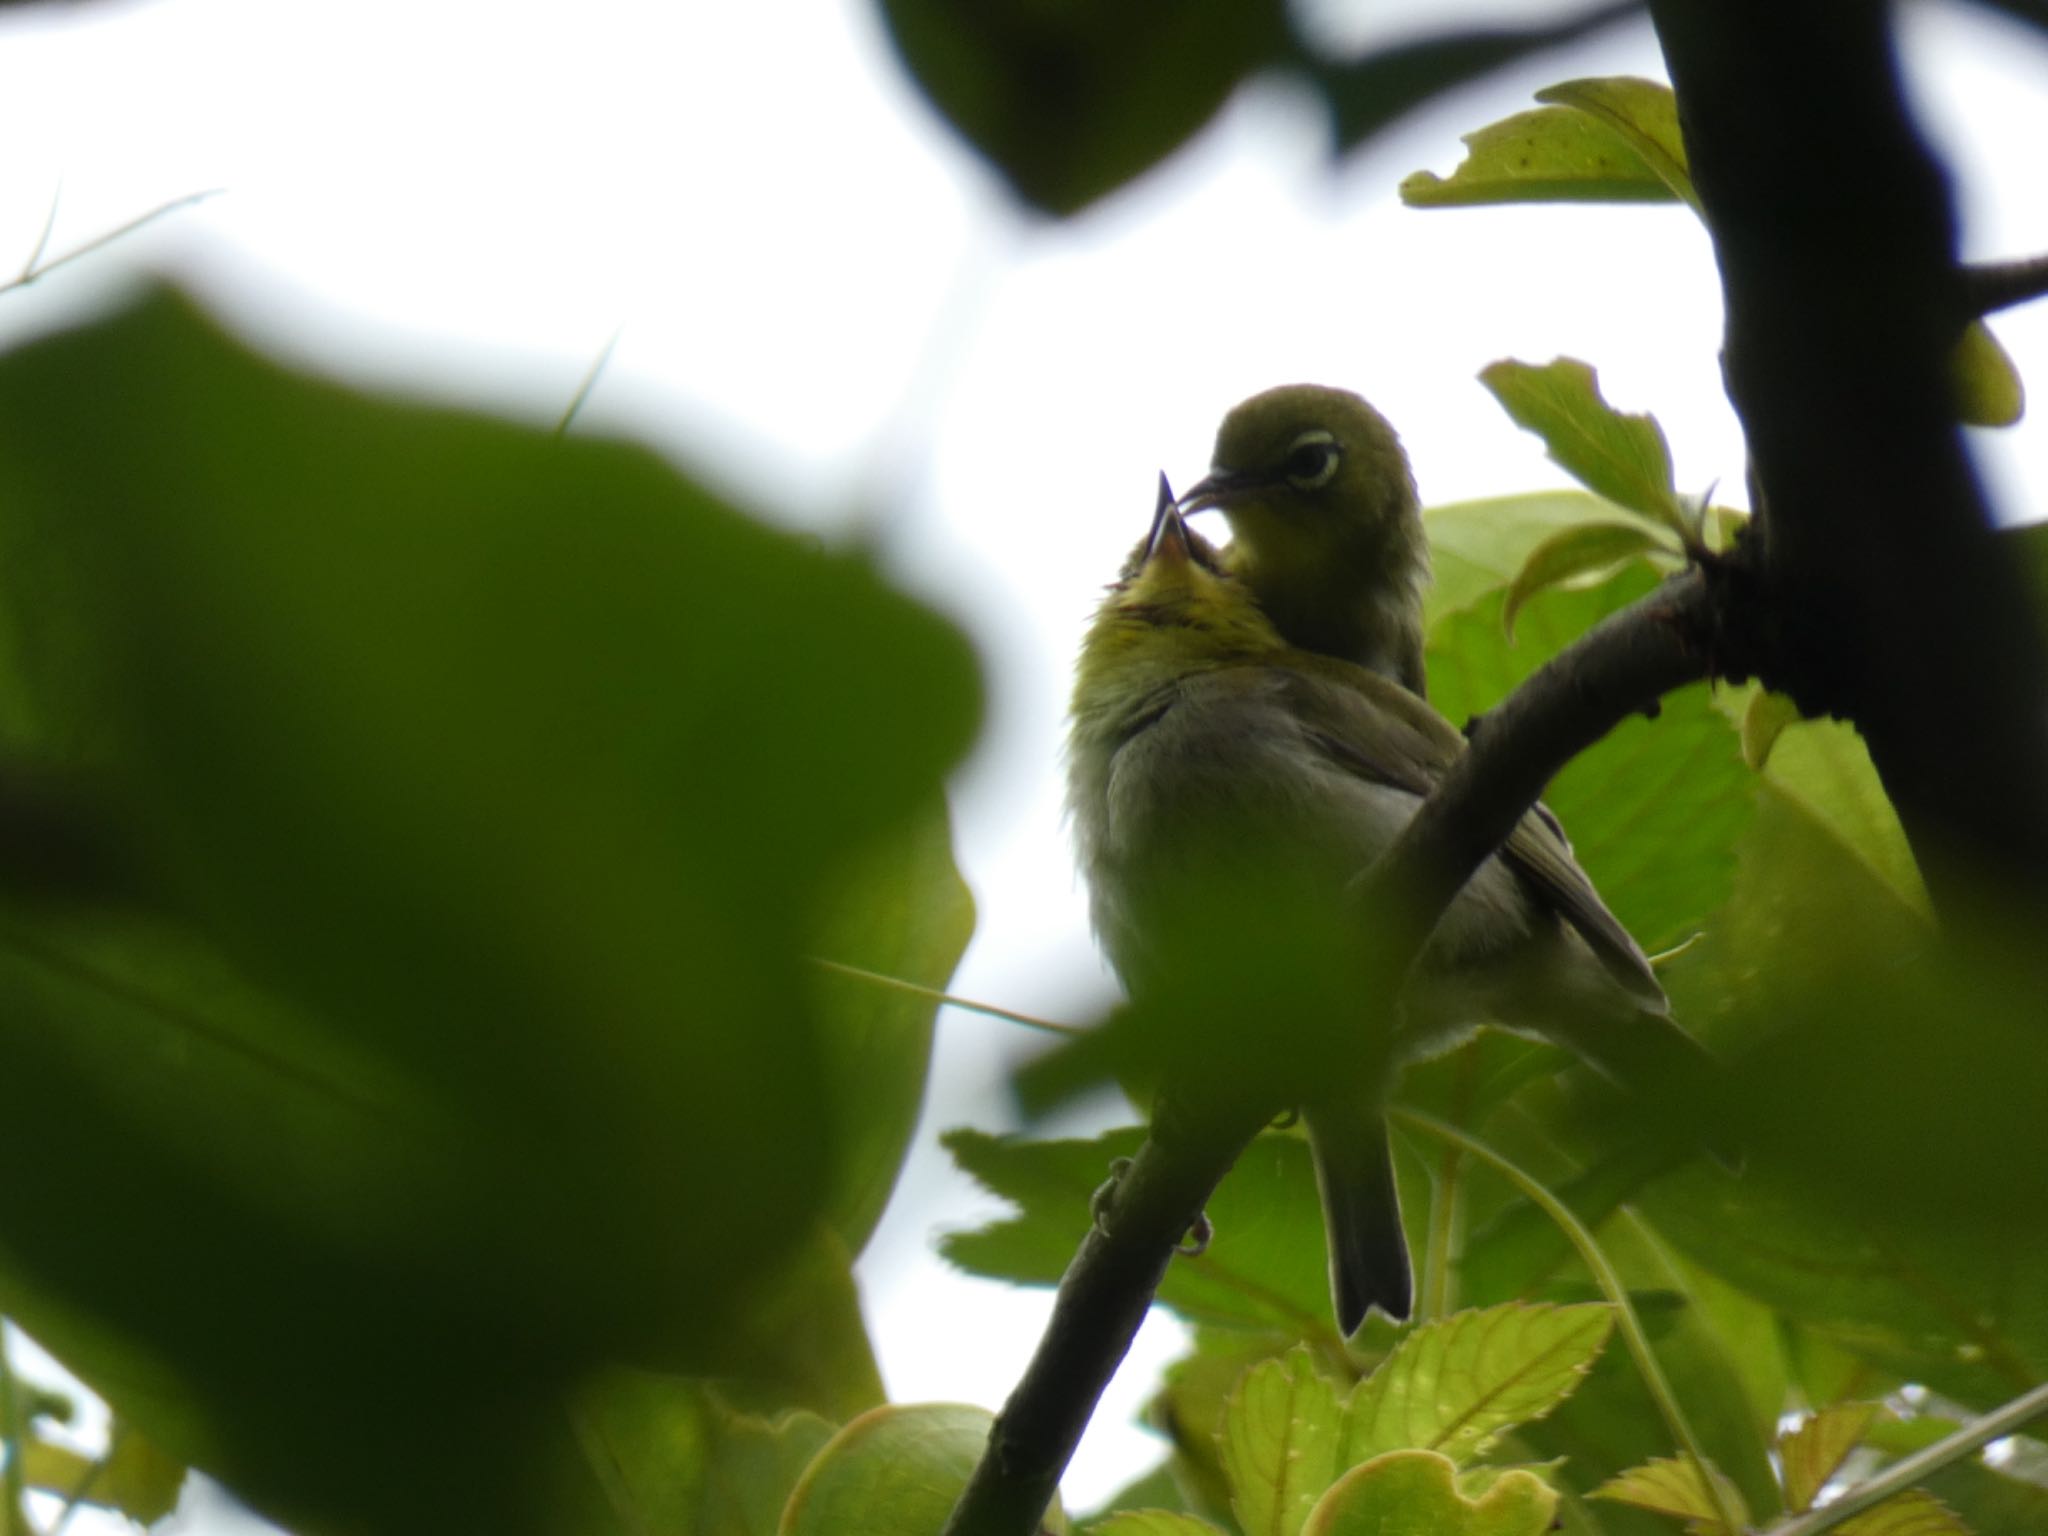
x=1228, y=792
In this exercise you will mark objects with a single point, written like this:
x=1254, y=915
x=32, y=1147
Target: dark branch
x=1989, y=287
x=1620, y=667
x=1102, y=1299
x=1890, y=601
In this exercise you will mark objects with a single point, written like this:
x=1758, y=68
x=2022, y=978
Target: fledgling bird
x=1218, y=775
x=1325, y=524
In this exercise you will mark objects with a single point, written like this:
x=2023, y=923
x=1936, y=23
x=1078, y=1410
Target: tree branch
x=1103, y=1297
x=1888, y=601
x=1991, y=286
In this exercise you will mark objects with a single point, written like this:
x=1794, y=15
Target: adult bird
x=1227, y=790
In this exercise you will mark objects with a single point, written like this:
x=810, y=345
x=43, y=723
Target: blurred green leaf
x=1912, y=1513
x=1644, y=113
x=1990, y=1500
x=135, y=1478
x=902, y=911
x=1454, y=1386
x=472, y=776
x=1366, y=94
x=1264, y=1267
x=1152, y=1522
x=1824, y=766
x=1478, y=547
x=1548, y=155
x=1672, y=1487
x=1283, y=1432
x=672, y=1457
x=894, y=1472
x=1588, y=550
x=1619, y=455
x=1070, y=101
x=1190, y=1407
x=1763, y=722
x=1984, y=379
x=1415, y=1493
x=1814, y=1451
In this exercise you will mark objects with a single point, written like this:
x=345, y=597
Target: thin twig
x=1610, y=1283
x=1901, y=1475
x=1994, y=285
x=589, y=383
x=43, y=240
x=33, y=273
x=947, y=999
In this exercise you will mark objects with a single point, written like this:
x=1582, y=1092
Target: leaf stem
x=33, y=272
x=1609, y=1281
x=946, y=999
x=1901, y=1475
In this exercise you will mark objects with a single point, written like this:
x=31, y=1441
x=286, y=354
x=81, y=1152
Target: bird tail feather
x=1361, y=1214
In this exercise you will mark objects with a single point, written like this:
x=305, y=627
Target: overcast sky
x=827, y=306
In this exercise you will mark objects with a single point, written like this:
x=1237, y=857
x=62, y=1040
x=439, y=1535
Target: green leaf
x=1620, y=456
x=1912, y=1513
x=471, y=781
x=901, y=911
x=1366, y=94
x=1282, y=1431
x=1070, y=102
x=1984, y=380
x=1825, y=768
x=1190, y=1408
x=1152, y=1522
x=1589, y=550
x=1642, y=112
x=1655, y=809
x=135, y=1478
x=1989, y=1500
x=1477, y=547
x=1264, y=1268
x=1414, y=1493
x=1763, y=722
x=672, y=1457
x=895, y=1471
x=1549, y=155
x=1668, y=1486
x=1454, y=1386
x=1815, y=1451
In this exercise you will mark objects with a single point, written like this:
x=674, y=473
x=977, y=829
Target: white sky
x=825, y=303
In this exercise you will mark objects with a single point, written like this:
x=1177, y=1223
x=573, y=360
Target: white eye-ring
x=1312, y=460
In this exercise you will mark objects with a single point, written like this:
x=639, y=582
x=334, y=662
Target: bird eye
x=1312, y=461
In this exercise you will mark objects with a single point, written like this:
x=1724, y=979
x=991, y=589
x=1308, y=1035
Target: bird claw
x=1192, y=1246
x=1099, y=1202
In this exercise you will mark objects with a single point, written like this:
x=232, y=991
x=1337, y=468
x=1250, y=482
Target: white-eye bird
x=1325, y=525
x=1228, y=789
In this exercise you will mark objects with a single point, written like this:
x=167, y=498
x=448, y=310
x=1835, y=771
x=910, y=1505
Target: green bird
x=1228, y=789
x=1326, y=528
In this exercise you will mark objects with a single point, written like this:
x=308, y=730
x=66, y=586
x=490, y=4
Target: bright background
x=824, y=304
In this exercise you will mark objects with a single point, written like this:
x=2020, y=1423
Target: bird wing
x=1375, y=728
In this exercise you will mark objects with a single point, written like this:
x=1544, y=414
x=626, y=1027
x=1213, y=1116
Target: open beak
x=1169, y=540
x=1218, y=488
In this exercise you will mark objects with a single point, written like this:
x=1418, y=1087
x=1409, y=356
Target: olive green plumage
x=1206, y=747
x=1326, y=529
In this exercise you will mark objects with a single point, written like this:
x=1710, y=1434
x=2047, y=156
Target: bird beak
x=1216, y=489
x=1169, y=540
